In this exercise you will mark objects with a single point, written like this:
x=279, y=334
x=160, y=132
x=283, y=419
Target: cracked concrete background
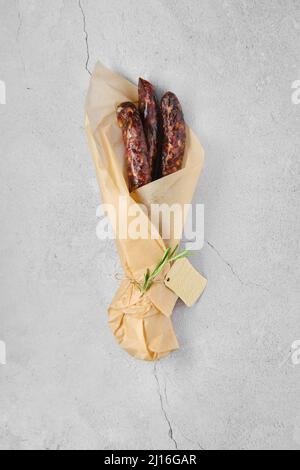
x=233, y=384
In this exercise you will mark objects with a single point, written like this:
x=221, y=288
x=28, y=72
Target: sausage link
x=149, y=111
x=136, y=150
x=174, y=134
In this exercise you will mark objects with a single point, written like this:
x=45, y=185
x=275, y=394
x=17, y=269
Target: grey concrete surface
x=233, y=384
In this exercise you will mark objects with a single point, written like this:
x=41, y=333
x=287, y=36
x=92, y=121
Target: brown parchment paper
x=142, y=326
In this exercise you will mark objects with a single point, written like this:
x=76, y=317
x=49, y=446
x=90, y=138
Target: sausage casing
x=174, y=134
x=149, y=112
x=136, y=150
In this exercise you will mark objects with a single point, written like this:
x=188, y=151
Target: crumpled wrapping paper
x=142, y=326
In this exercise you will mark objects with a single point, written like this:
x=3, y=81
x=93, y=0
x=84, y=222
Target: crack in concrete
x=20, y=24
x=235, y=274
x=166, y=394
x=20, y=18
x=225, y=261
x=191, y=441
x=86, y=38
x=171, y=432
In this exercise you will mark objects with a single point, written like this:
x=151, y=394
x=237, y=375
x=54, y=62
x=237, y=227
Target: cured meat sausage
x=174, y=134
x=136, y=149
x=149, y=111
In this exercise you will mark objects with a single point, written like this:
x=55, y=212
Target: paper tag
x=186, y=282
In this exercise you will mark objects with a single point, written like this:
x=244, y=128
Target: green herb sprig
x=168, y=258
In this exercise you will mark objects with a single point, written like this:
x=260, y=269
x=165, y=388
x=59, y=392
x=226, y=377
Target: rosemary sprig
x=168, y=258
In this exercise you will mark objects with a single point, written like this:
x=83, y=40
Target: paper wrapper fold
x=142, y=326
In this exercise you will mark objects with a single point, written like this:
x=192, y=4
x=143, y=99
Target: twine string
x=150, y=278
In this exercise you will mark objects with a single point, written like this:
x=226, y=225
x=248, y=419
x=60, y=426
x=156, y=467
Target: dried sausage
x=136, y=150
x=149, y=111
x=174, y=134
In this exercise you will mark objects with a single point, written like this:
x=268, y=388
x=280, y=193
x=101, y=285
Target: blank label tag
x=186, y=282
